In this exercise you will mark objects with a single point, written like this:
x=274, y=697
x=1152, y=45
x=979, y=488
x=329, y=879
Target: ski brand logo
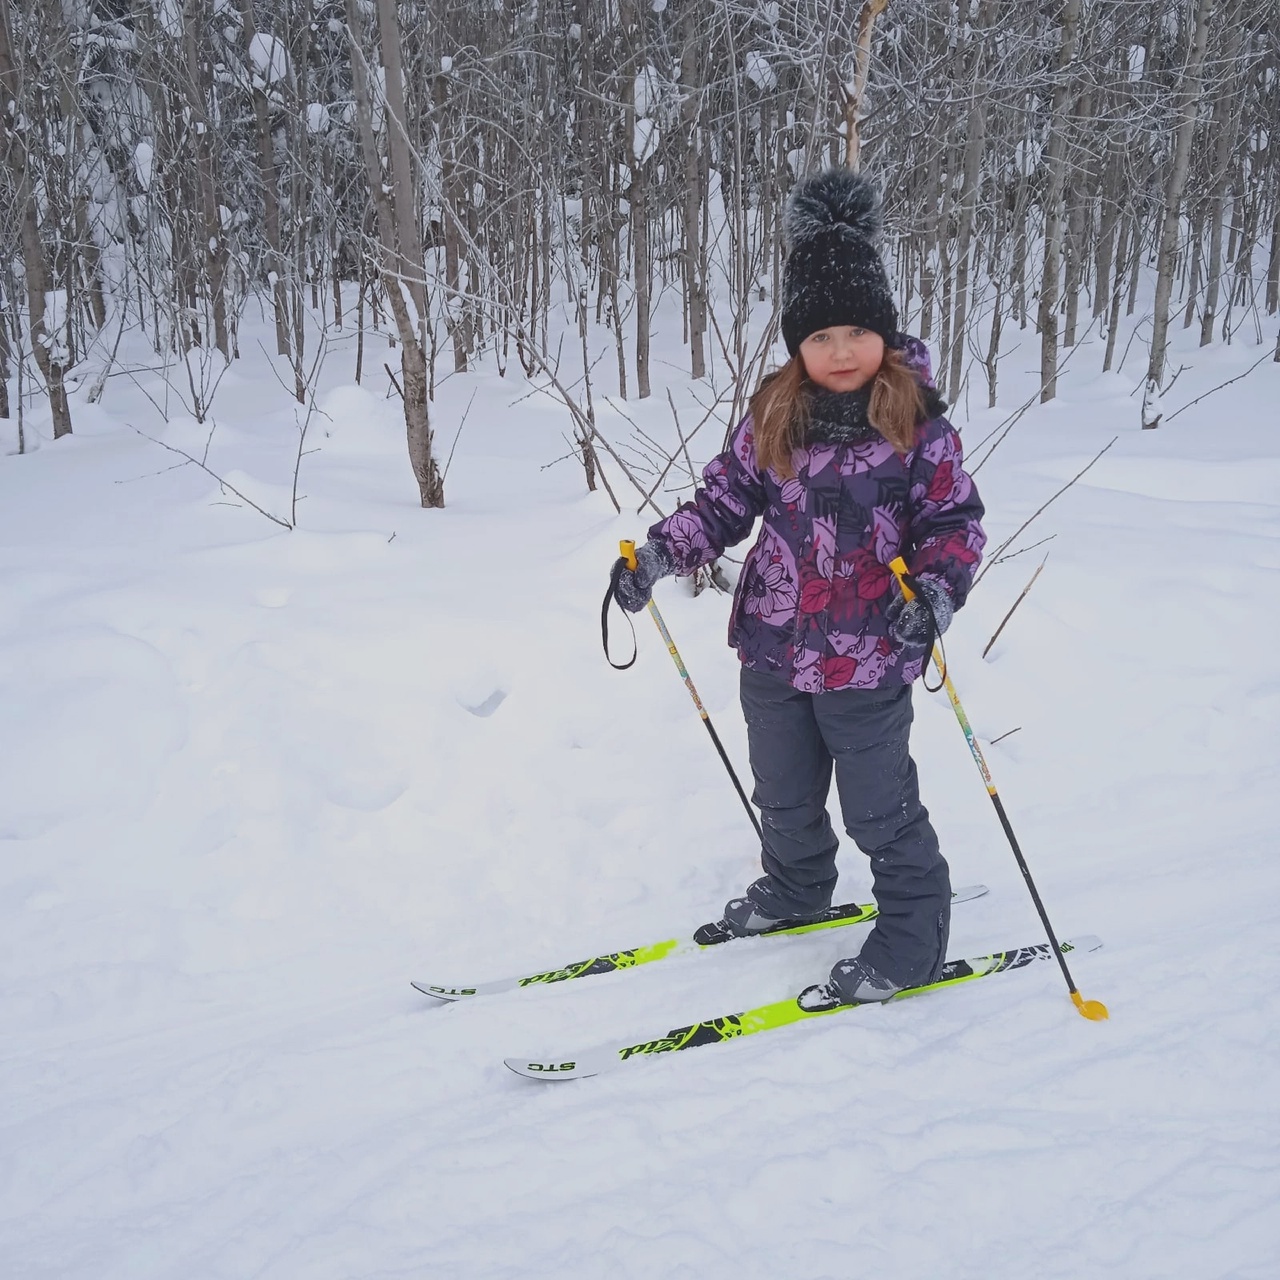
x=665, y=1045
x=453, y=991
x=551, y=1066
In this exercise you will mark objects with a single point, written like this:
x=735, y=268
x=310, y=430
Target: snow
x=169, y=18
x=270, y=58
x=255, y=780
x=144, y=164
x=648, y=90
x=760, y=71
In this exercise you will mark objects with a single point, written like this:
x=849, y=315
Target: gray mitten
x=634, y=587
x=909, y=621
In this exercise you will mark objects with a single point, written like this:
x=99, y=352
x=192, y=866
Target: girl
x=848, y=459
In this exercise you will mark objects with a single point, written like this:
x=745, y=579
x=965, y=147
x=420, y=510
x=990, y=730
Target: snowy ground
x=252, y=781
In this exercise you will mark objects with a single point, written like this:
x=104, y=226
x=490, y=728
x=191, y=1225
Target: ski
x=769, y=1017
x=708, y=935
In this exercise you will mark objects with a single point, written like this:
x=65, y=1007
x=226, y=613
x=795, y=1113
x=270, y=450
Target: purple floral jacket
x=810, y=604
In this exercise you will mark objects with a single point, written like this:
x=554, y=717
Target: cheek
x=871, y=351
x=814, y=360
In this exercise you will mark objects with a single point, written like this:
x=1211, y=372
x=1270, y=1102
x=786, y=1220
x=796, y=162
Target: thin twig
x=1005, y=544
x=1013, y=555
x=1128, y=344
x=604, y=480
x=1016, y=603
x=684, y=439
x=100, y=382
x=644, y=437
x=1133, y=391
x=684, y=444
x=466, y=414
x=1003, y=736
x=151, y=475
x=1219, y=387
x=182, y=453
x=626, y=471
x=312, y=409
x=1012, y=421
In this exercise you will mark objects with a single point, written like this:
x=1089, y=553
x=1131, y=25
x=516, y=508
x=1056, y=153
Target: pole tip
x=1094, y=1010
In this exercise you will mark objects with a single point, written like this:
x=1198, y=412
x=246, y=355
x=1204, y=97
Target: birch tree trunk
x=854, y=93
x=975, y=140
x=1078, y=198
x=1176, y=186
x=198, y=95
x=18, y=159
x=1224, y=112
x=694, y=194
x=270, y=188
x=5, y=299
x=1056, y=167
x=1273, y=267
x=395, y=204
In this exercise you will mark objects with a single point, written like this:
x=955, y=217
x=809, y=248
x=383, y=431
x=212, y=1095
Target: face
x=842, y=358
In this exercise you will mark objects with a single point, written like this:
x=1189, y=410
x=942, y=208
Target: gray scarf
x=839, y=417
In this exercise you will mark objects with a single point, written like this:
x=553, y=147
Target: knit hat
x=833, y=274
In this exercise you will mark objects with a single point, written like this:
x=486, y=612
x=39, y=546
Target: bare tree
x=1056, y=156
x=1176, y=185
x=399, y=243
x=21, y=120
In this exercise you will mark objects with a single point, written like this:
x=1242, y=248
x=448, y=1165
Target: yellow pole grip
x=628, y=550
x=899, y=567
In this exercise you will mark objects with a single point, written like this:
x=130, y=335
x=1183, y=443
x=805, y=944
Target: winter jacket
x=810, y=603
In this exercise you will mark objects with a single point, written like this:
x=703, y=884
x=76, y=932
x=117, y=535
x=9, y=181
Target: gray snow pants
x=795, y=740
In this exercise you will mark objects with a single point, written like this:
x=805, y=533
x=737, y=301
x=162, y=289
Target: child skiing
x=848, y=459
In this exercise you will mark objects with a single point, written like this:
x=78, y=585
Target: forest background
x=484, y=181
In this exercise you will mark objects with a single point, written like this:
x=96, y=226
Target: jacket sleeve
x=944, y=512
x=723, y=509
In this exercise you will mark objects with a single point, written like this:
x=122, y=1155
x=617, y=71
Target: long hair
x=780, y=410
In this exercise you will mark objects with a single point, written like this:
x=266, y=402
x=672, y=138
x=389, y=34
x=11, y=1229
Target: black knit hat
x=833, y=274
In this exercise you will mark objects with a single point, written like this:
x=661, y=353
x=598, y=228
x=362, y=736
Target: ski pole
x=628, y=549
x=1093, y=1009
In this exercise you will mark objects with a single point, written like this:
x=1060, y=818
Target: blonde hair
x=780, y=410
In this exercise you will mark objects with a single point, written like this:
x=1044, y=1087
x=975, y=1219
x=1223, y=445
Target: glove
x=634, y=587
x=909, y=620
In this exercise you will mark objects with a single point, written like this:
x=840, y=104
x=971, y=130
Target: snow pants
x=796, y=740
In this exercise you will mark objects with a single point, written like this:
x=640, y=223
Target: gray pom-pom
x=832, y=198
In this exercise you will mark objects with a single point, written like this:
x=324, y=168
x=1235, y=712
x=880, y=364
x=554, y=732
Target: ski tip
x=1089, y=942
x=547, y=1070
x=968, y=892
x=445, y=994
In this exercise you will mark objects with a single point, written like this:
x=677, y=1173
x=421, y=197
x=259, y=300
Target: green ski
x=709, y=935
x=769, y=1017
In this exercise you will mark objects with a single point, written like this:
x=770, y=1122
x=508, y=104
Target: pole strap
x=934, y=647
x=619, y=565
